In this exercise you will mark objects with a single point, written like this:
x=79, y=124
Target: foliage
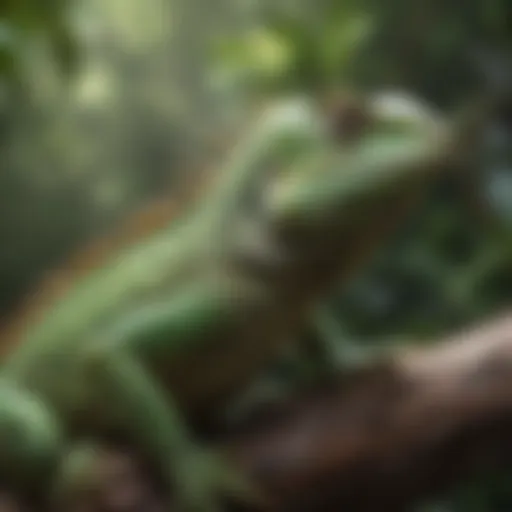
x=151, y=95
x=22, y=21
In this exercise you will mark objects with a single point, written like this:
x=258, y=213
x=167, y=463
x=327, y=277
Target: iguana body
x=183, y=319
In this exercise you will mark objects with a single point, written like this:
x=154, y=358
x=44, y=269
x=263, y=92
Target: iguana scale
x=181, y=320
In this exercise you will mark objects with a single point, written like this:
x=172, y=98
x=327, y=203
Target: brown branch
x=394, y=433
x=390, y=435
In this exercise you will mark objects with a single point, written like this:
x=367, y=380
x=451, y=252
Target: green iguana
x=180, y=321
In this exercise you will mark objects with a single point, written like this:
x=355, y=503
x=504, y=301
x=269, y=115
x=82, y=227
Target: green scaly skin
x=183, y=320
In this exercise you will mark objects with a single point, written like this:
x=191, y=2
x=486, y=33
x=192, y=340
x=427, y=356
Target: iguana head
x=30, y=438
x=331, y=178
x=353, y=153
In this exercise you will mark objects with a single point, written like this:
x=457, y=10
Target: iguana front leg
x=198, y=478
x=145, y=410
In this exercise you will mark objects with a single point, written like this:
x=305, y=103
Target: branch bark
x=394, y=433
x=389, y=435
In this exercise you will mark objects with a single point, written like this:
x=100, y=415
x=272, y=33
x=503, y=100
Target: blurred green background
x=104, y=104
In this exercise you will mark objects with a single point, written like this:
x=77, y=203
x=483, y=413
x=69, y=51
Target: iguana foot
x=204, y=481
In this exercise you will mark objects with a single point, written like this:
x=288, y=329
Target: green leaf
x=341, y=41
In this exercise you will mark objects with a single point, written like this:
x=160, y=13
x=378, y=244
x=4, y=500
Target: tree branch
x=393, y=433
x=390, y=435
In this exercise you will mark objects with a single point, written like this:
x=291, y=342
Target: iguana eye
x=347, y=117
